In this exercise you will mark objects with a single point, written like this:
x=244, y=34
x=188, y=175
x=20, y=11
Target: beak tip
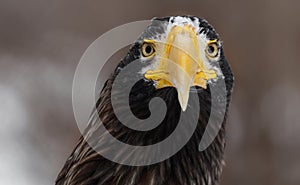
x=183, y=101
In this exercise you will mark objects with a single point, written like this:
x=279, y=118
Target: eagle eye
x=212, y=49
x=148, y=49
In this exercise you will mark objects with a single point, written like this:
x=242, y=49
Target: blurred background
x=41, y=43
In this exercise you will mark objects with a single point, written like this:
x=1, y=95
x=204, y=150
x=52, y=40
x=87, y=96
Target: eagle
x=197, y=64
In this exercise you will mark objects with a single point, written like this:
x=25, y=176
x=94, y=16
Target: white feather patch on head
x=181, y=21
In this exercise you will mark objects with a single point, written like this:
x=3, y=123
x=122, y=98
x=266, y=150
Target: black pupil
x=148, y=49
x=211, y=49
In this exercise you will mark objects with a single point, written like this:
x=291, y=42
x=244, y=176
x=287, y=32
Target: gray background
x=42, y=41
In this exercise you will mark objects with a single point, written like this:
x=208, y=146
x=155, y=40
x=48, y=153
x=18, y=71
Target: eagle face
x=180, y=52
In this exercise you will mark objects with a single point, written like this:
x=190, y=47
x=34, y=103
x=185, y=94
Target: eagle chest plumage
x=188, y=166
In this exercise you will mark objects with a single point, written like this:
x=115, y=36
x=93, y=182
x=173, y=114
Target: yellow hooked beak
x=180, y=65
